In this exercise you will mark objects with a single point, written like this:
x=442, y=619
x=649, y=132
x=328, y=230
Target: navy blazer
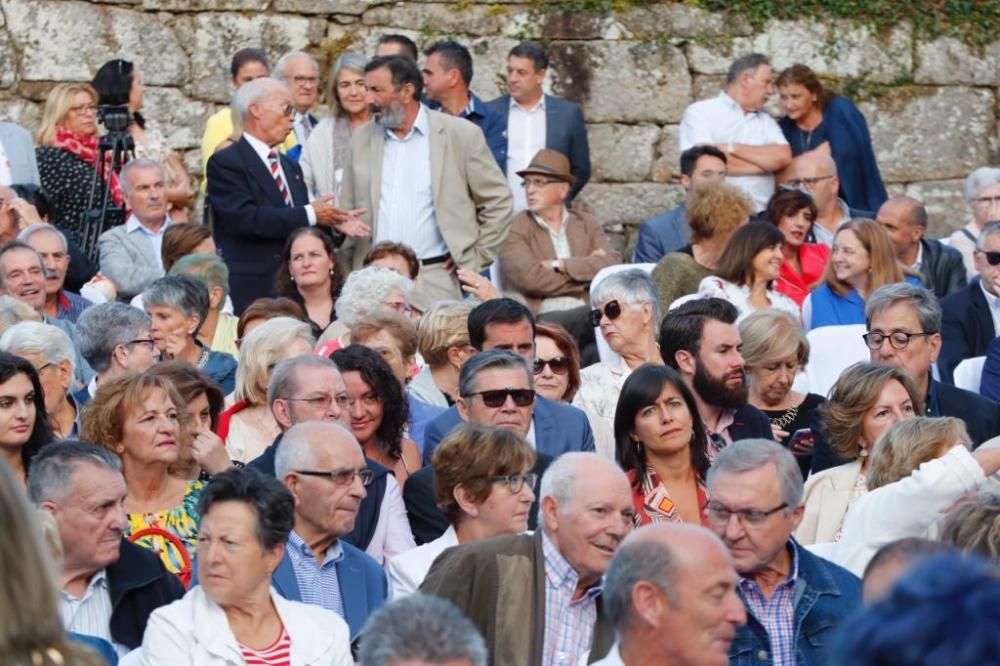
x=660, y=235
x=750, y=423
x=251, y=219
x=966, y=328
x=363, y=585
x=565, y=131
x=558, y=429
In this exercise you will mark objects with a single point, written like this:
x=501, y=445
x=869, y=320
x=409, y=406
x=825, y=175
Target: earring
x=292, y=278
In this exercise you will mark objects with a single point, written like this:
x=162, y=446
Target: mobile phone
x=799, y=437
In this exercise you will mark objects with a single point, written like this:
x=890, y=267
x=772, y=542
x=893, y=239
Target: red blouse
x=813, y=258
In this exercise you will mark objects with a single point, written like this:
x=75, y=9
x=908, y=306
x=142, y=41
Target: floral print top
x=181, y=521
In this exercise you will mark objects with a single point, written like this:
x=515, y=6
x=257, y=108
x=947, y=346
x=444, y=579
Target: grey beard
x=390, y=118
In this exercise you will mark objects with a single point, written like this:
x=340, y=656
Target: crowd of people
x=398, y=400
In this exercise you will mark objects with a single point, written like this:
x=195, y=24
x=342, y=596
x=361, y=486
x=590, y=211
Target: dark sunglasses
x=612, y=309
x=559, y=365
x=497, y=398
x=993, y=258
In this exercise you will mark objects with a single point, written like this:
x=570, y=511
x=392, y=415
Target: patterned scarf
x=652, y=502
x=85, y=147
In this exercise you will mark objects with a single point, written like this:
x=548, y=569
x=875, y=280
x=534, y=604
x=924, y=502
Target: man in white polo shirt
x=736, y=123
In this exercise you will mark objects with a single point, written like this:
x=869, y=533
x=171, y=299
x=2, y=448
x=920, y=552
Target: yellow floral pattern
x=181, y=521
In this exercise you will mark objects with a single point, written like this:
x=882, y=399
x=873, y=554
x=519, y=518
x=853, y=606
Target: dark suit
x=138, y=584
x=750, y=423
x=252, y=219
x=565, y=131
x=966, y=328
x=942, y=266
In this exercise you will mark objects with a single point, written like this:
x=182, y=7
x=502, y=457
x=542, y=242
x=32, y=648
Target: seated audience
x=114, y=339
x=233, y=611
x=747, y=271
x=662, y=447
x=939, y=266
x=396, y=256
x=793, y=212
x=669, y=231
x=139, y=418
x=309, y=275
x=775, y=349
x=557, y=363
x=484, y=486
x=180, y=240
x=365, y=291
x=443, y=343
x=713, y=212
x=655, y=594
x=421, y=629
x=218, y=331
x=627, y=309
x=971, y=316
x=52, y=246
x=263, y=309
x=323, y=466
x=178, y=306
x=108, y=585
x=25, y=430
x=892, y=561
x=553, y=576
x=982, y=192
x=816, y=173
x=757, y=482
x=866, y=401
x=972, y=526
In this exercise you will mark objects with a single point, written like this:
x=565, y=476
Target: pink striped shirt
x=276, y=654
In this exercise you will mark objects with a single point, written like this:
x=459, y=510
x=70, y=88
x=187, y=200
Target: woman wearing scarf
x=67, y=155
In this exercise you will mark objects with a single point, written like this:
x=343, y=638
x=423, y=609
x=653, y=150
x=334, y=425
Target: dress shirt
x=302, y=127
x=406, y=196
x=154, y=238
x=920, y=258
x=569, y=623
x=263, y=150
x=90, y=614
x=822, y=235
x=525, y=137
x=994, y=303
x=777, y=613
x=319, y=585
x=560, y=243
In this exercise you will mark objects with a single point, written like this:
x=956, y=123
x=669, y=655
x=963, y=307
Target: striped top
x=777, y=613
x=569, y=622
x=318, y=581
x=276, y=654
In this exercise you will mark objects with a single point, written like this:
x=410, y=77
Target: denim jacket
x=825, y=594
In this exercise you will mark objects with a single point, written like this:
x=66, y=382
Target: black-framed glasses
x=720, y=514
x=323, y=402
x=897, y=339
x=515, y=482
x=992, y=258
x=808, y=183
x=342, y=477
x=149, y=342
x=558, y=364
x=612, y=310
x=498, y=397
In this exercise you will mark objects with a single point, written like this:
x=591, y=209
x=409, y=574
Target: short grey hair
x=988, y=230
x=209, y=268
x=279, y=67
x=633, y=286
x=184, y=293
x=747, y=63
x=138, y=163
x=925, y=303
x=285, y=376
x=489, y=360
x=749, y=454
x=33, y=229
x=254, y=92
x=421, y=628
x=559, y=480
x=349, y=61
x=13, y=311
x=33, y=337
x=979, y=179
x=50, y=475
x=366, y=289
x=634, y=561
x=101, y=328
x=296, y=450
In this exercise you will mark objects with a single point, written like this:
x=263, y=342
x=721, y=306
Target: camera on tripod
x=114, y=149
x=114, y=117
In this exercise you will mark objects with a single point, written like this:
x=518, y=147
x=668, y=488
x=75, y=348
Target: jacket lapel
x=284, y=580
x=352, y=593
x=550, y=122
x=376, y=153
x=438, y=140
x=983, y=317
x=260, y=173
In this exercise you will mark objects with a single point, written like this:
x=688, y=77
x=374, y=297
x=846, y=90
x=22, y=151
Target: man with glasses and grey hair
x=323, y=466
x=795, y=600
x=114, y=339
x=816, y=173
x=982, y=192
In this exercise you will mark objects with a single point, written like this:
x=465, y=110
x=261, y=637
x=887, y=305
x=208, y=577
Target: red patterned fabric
x=85, y=147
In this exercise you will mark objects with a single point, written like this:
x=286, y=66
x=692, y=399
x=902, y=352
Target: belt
x=435, y=260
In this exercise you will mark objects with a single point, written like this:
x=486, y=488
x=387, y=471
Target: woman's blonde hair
x=261, y=350
x=884, y=267
x=771, y=335
x=442, y=326
x=908, y=444
x=103, y=419
x=57, y=106
x=856, y=391
x=716, y=209
x=974, y=525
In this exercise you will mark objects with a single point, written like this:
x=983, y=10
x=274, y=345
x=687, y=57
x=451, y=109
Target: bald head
x=909, y=208
x=305, y=444
x=817, y=173
x=813, y=164
x=905, y=220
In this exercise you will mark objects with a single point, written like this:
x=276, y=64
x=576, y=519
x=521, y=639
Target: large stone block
x=622, y=153
x=443, y=18
x=948, y=61
x=614, y=204
x=68, y=41
x=666, y=166
x=22, y=112
x=204, y=5
x=181, y=120
x=622, y=81
x=946, y=206
x=655, y=21
x=922, y=133
x=354, y=7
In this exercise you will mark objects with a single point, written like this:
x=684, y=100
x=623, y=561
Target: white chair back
x=969, y=373
x=832, y=349
x=603, y=350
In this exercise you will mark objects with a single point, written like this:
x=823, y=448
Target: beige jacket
x=827, y=498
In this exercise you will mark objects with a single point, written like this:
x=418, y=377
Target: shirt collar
x=133, y=224
x=734, y=105
x=560, y=573
x=333, y=554
x=421, y=124
x=991, y=300
x=793, y=571
x=99, y=581
x=539, y=105
x=540, y=222
x=920, y=256
x=259, y=147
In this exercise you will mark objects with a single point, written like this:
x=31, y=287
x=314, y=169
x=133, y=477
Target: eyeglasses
x=43, y=366
x=323, y=402
x=897, y=339
x=83, y=108
x=612, y=309
x=343, y=477
x=400, y=307
x=807, y=183
x=720, y=515
x=498, y=398
x=538, y=182
x=558, y=364
x=992, y=258
x=305, y=80
x=515, y=482
x=986, y=201
x=148, y=342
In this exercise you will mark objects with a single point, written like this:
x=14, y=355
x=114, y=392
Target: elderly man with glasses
x=816, y=173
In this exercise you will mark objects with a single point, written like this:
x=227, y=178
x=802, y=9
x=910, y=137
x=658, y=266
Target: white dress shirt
x=525, y=137
x=154, y=238
x=90, y=614
x=302, y=127
x=263, y=150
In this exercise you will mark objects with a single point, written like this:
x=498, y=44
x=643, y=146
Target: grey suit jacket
x=20, y=151
x=127, y=260
x=472, y=201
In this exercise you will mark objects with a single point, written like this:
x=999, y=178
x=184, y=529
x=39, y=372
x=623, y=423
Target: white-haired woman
x=365, y=292
x=628, y=312
x=248, y=427
x=982, y=192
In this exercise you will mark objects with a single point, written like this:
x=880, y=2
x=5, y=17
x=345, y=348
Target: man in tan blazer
x=427, y=180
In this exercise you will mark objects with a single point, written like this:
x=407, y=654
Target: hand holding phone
x=801, y=443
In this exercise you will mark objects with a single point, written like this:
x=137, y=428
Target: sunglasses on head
x=497, y=398
x=992, y=258
x=558, y=364
x=612, y=309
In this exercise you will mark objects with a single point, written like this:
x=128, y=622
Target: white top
x=525, y=137
x=263, y=150
x=994, y=304
x=194, y=631
x=720, y=120
x=614, y=658
x=739, y=296
x=392, y=530
x=408, y=570
x=90, y=614
x=600, y=386
x=406, y=197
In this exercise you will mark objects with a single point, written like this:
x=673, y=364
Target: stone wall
x=932, y=107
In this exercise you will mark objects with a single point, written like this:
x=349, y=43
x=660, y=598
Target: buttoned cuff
x=311, y=214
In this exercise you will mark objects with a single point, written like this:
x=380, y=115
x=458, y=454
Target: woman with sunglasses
x=793, y=212
x=627, y=311
x=484, y=485
x=557, y=363
x=662, y=446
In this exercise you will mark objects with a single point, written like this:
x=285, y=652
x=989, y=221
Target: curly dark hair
x=377, y=374
x=283, y=285
x=41, y=433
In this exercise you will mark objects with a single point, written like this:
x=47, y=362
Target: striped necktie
x=272, y=159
